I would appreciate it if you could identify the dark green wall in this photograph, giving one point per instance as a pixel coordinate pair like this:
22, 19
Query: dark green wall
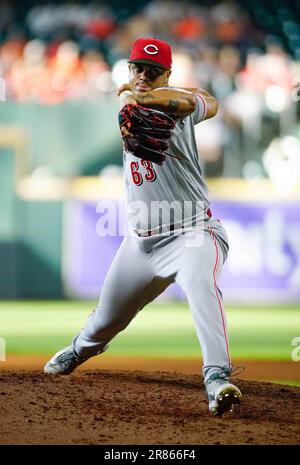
72, 138
30, 264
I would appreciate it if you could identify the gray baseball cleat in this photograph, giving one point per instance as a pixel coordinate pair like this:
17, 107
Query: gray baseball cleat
63, 362
222, 395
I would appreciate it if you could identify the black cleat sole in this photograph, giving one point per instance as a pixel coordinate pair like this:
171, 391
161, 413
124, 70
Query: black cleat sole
226, 401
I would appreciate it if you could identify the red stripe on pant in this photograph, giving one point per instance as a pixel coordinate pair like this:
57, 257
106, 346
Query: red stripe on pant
217, 293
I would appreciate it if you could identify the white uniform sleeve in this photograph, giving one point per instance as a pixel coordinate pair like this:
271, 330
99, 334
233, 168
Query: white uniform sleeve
200, 110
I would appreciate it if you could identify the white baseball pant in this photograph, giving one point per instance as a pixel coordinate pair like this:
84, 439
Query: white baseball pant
143, 268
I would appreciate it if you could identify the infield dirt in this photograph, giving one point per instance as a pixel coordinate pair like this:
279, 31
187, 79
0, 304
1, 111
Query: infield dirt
136, 407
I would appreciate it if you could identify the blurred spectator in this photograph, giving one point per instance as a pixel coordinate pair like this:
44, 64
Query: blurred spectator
78, 51
69, 34
230, 22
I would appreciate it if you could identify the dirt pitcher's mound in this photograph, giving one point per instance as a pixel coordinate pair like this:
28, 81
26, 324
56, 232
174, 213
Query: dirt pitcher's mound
122, 407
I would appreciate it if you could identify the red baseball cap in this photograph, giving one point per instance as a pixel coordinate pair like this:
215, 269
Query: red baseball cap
152, 52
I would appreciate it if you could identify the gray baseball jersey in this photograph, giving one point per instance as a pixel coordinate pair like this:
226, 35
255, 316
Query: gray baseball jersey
179, 183
146, 265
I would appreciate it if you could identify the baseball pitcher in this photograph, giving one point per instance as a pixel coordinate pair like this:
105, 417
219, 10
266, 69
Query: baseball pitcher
172, 233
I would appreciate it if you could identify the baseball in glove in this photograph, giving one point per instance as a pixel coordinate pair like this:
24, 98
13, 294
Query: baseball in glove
151, 130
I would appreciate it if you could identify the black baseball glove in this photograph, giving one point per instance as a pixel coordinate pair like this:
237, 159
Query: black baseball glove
151, 131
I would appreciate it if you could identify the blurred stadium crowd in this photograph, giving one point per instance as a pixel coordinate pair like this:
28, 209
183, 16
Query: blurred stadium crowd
247, 55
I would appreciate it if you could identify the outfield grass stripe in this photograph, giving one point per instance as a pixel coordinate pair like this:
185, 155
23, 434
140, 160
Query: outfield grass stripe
164, 329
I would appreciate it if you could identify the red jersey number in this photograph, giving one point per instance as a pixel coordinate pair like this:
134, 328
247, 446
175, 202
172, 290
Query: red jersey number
137, 178
150, 175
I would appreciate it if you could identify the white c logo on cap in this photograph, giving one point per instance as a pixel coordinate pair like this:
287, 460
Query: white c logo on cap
153, 52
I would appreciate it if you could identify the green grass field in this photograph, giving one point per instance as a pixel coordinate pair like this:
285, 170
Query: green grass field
161, 329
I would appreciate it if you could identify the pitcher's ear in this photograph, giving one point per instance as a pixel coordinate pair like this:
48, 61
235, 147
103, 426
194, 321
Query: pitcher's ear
167, 75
